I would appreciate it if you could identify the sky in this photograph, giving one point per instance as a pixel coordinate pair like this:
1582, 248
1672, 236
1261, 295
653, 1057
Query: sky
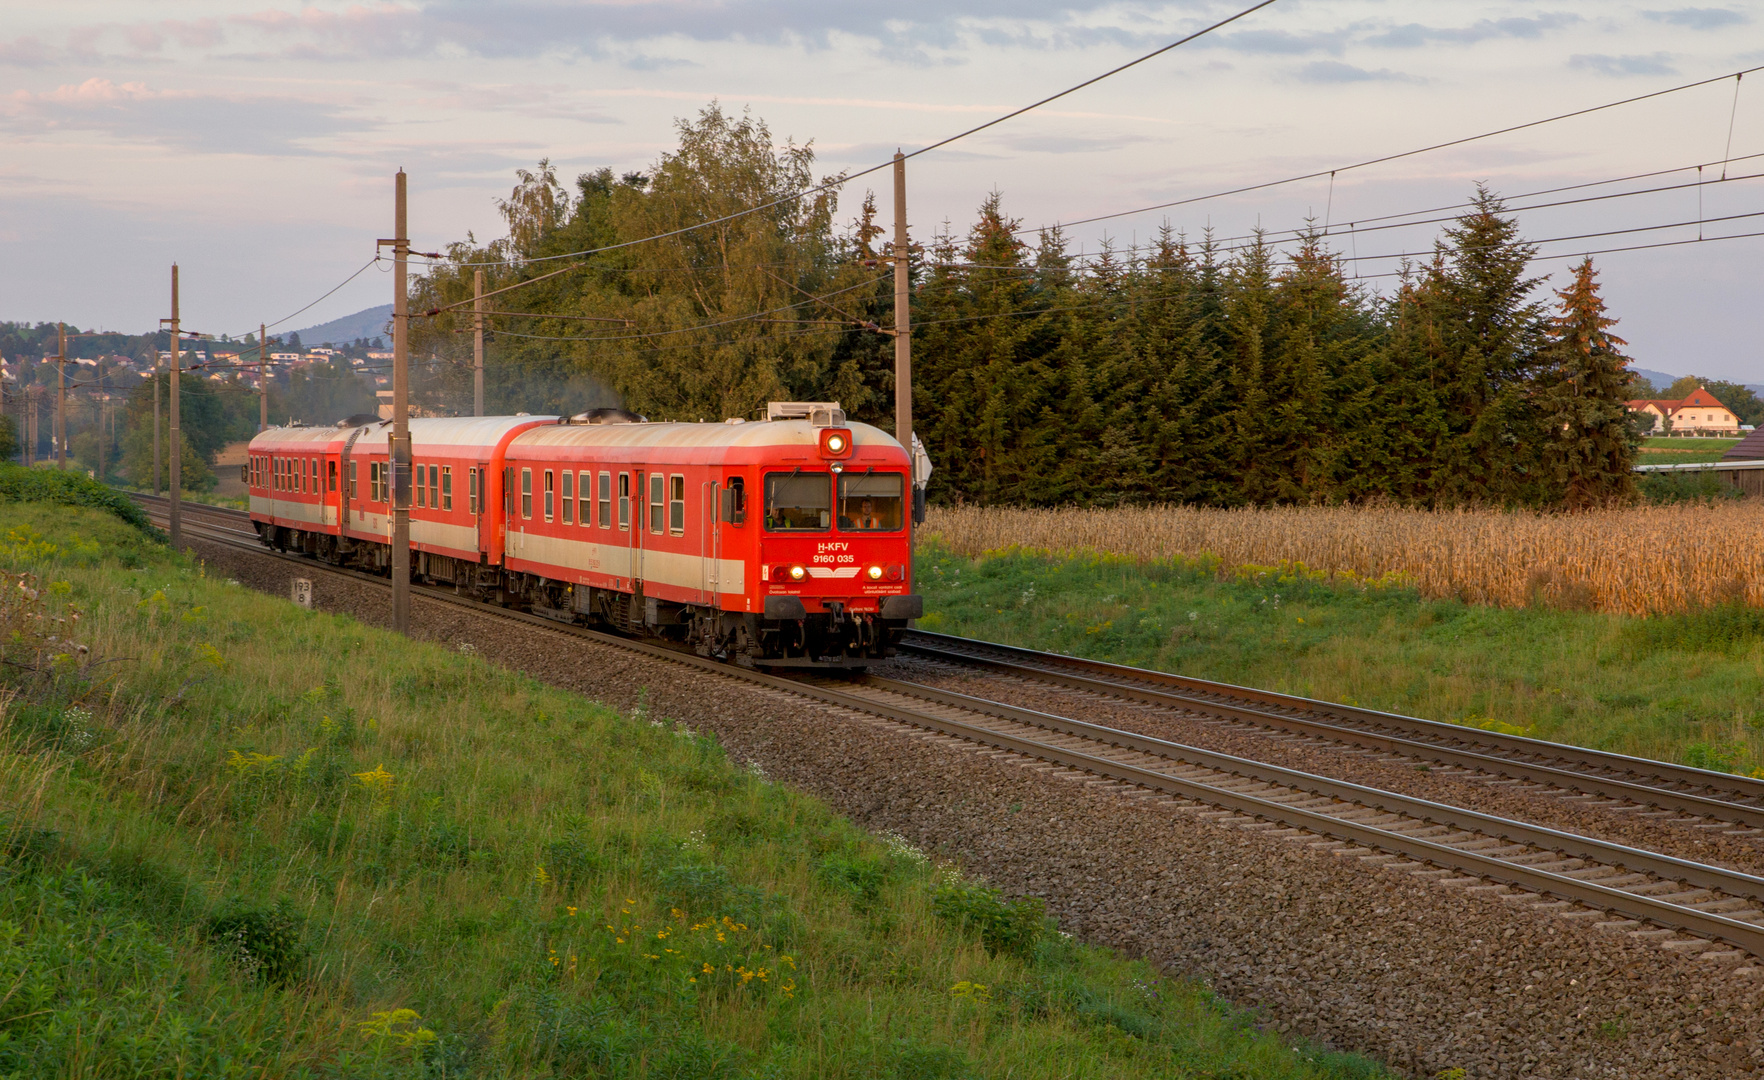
254, 142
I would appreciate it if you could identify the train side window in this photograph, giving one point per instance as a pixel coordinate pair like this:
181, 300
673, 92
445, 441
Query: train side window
569, 497
447, 488
677, 504
658, 492
624, 500
354, 480
472, 491
421, 489
605, 500
734, 499
435, 487
330, 476
526, 493
550, 492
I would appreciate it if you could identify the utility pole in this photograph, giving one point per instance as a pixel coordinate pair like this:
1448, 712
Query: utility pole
262, 378
176, 444
400, 455
61, 396
903, 340
477, 343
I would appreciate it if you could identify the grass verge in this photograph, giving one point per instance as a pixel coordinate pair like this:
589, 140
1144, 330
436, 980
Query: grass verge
241, 840
1686, 688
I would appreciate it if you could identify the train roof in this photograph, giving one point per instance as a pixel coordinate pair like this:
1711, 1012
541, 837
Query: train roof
463, 431
756, 434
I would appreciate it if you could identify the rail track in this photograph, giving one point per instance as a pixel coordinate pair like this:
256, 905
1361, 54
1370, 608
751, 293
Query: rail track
1684, 906
1714, 800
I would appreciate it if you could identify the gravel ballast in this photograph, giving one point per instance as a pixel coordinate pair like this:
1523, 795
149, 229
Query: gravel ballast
1420, 975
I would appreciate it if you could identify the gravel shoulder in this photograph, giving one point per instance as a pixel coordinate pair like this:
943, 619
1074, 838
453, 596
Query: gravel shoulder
1419, 975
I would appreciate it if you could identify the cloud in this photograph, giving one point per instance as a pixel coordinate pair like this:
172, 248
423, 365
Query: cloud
1069, 144
1698, 18
1414, 35
25, 52
1333, 71
1285, 43
134, 112
1652, 64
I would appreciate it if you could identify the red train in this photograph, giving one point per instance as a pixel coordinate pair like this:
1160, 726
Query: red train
782, 543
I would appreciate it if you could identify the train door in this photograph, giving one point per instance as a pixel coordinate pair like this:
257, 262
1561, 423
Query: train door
638, 495
710, 548
475, 503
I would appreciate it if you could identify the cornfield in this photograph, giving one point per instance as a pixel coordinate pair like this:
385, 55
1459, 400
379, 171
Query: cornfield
1636, 561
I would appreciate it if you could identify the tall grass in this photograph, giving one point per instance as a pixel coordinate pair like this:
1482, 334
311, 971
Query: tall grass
240, 839
1634, 561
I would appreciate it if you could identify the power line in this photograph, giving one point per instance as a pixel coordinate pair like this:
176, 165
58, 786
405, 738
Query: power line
1320, 173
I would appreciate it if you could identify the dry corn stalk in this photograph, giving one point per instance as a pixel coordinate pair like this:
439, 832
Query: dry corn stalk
1637, 561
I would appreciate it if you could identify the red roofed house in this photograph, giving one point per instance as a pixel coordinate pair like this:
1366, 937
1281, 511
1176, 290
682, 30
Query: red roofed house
1699, 413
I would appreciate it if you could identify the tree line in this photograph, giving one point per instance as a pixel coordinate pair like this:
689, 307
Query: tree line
1187, 370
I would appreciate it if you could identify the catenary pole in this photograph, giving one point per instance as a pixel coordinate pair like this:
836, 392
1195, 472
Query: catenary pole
61, 395
262, 378
477, 343
156, 420
175, 444
903, 340
401, 456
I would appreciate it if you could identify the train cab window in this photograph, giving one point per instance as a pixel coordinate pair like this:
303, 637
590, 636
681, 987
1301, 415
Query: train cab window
472, 491
798, 502
624, 500
434, 487
447, 488
330, 476
526, 493
677, 504
870, 502
658, 493
734, 501
569, 498
605, 501
421, 490
550, 492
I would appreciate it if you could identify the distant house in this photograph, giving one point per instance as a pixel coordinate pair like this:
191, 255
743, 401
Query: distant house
1699, 413
284, 356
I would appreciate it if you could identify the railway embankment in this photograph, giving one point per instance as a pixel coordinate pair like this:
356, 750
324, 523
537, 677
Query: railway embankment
245, 836
1422, 968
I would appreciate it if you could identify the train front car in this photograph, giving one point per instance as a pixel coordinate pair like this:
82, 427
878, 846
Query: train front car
780, 544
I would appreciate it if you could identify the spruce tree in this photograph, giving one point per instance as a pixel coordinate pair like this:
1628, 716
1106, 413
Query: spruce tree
1589, 443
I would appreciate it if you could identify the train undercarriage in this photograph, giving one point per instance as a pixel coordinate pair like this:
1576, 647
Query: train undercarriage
790, 639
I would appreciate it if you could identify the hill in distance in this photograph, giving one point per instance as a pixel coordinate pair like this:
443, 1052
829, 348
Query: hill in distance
370, 324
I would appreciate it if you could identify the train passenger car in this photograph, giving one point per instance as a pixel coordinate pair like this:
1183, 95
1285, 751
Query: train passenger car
783, 542
326, 491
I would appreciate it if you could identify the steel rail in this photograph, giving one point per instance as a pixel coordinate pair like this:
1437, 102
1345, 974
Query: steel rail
1592, 784
1744, 935
1204, 692
1571, 844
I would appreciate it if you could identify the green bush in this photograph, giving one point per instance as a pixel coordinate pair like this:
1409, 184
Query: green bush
70, 489
1012, 927
261, 943
1695, 485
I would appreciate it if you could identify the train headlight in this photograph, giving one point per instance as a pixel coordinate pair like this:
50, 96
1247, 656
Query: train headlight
836, 444
875, 573
797, 573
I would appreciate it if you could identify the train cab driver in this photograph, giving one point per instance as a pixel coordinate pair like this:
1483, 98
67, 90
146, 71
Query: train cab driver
867, 517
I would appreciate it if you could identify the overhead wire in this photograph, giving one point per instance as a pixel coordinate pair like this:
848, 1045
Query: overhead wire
1386, 158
